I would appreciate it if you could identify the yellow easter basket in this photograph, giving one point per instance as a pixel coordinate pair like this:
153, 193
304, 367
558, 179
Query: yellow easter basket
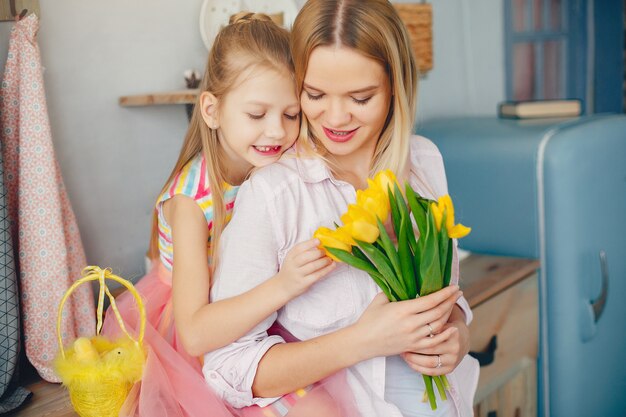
99, 373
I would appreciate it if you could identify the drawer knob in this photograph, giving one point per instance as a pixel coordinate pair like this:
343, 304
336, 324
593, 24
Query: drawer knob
487, 356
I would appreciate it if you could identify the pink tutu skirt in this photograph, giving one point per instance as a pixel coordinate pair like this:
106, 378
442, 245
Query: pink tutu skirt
173, 384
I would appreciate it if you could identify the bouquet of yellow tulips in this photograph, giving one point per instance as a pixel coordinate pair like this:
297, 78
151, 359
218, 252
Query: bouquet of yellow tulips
413, 266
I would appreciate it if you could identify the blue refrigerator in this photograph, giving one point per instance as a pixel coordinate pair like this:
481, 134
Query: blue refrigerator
555, 191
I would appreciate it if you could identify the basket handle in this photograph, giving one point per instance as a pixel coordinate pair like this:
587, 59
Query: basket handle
94, 273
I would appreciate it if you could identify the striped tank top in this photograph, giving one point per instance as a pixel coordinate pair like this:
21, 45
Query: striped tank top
193, 182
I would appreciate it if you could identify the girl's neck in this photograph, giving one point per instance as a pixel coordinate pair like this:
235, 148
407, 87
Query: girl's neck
235, 176
235, 169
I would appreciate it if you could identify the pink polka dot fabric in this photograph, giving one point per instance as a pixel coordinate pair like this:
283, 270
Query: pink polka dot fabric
50, 252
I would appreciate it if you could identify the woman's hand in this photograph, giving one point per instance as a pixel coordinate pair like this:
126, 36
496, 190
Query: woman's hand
449, 351
390, 328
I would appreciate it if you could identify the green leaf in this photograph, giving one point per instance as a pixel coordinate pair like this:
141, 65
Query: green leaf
430, 269
364, 265
448, 271
350, 259
406, 262
416, 271
404, 212
384, 268
395, 213
359, 254
419, 212
389, 248
443, 245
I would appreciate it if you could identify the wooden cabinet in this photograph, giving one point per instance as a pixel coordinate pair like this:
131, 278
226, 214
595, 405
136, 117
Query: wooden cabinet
504, 298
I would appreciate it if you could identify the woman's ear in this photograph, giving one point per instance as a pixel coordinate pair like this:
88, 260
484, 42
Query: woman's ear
209, 110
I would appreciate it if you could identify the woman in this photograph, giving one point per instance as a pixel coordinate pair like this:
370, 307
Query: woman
357, 82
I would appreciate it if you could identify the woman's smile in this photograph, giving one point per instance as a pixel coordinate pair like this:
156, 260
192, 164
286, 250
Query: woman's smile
339, 135
346, 112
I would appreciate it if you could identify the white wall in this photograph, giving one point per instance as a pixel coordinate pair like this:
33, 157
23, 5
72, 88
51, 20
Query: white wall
468, 73
114, 159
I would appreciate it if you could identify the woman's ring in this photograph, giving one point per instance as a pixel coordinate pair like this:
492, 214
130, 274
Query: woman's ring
430, 330
439, 364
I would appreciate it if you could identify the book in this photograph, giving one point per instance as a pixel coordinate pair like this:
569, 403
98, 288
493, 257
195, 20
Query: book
535, 109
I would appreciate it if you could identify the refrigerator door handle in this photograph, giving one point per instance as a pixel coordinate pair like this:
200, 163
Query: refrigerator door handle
599, 303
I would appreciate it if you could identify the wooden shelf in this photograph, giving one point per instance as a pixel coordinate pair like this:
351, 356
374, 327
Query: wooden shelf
169, 97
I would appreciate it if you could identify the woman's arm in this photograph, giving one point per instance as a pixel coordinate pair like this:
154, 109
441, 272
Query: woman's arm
384, 329
204, 326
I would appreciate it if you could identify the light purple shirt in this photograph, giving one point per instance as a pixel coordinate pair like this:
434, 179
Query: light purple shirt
281, 205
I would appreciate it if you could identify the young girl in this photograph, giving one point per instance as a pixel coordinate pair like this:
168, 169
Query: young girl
357, 81
246, 116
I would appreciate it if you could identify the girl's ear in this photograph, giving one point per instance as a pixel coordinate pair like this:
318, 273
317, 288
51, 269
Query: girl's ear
209, 110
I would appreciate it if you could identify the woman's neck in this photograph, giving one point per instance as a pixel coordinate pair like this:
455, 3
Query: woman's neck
352, 171
353, 168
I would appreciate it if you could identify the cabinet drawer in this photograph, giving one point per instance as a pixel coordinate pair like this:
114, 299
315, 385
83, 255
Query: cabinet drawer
516, 398
513, 317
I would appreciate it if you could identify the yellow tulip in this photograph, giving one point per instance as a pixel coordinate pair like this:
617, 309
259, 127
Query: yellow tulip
374, 201
356, 212
444, 205
437, 214
339, 239
385, 180
362, 230
458, 231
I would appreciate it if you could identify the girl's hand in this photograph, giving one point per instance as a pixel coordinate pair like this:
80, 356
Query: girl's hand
391, 328
450, 351
304, 265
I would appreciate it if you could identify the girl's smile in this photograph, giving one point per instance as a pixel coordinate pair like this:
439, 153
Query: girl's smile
268, 150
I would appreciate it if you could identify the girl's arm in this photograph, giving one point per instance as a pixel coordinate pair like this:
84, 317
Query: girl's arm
204, 326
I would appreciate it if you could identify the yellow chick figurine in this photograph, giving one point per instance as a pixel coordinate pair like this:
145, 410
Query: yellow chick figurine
116, 354
84, 351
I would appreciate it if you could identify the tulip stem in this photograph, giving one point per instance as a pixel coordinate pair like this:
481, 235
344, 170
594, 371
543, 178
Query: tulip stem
428, 382
440, 388
446, 384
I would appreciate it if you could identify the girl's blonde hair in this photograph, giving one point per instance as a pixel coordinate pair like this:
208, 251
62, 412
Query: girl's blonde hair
249, 40
374, 29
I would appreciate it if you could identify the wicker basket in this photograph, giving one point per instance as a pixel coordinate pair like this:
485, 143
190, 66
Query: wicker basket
99, 386
418, 19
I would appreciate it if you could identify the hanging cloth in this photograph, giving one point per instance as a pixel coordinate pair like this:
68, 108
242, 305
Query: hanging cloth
11, 395
45, 232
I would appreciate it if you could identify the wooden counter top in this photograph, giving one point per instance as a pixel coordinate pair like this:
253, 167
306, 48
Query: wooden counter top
483, 276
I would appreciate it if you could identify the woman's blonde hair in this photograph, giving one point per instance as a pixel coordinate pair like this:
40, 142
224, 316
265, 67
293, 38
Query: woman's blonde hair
374, 29
249, 40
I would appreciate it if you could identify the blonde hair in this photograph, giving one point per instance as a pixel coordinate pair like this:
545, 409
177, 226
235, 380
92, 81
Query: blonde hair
374, 29
249, 40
